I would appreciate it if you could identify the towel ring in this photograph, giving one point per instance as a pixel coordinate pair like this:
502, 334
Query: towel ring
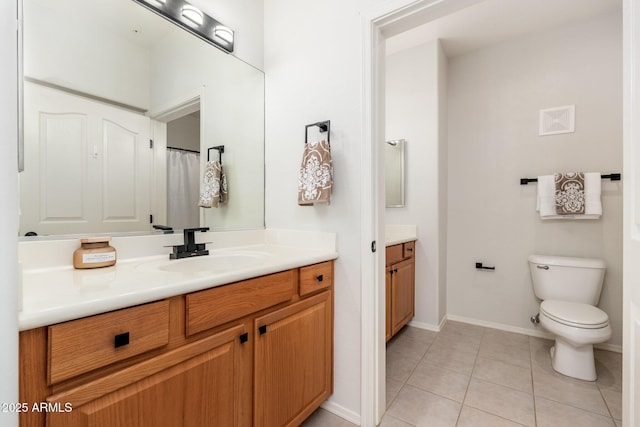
220, 149
324, 127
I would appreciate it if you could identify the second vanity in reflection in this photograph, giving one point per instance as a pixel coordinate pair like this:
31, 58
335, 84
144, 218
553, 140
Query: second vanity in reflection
257, 351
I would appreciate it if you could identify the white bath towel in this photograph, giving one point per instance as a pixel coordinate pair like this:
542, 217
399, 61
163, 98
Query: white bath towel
546, 200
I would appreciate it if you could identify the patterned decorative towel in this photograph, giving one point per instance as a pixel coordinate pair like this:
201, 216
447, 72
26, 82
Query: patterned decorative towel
214, 185
570, 198
316, 174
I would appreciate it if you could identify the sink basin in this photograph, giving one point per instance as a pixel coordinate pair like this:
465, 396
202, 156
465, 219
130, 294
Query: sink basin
212, 263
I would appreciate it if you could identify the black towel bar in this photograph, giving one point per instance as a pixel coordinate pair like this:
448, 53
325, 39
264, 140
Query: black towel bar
324, 126
220, 149
612, 177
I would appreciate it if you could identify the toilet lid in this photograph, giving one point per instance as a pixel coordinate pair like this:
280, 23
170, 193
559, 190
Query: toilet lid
575, 314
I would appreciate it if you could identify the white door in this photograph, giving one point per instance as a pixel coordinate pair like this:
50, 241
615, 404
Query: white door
87, 165
631, 275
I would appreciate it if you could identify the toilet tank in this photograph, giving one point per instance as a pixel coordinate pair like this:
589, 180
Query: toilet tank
567, 278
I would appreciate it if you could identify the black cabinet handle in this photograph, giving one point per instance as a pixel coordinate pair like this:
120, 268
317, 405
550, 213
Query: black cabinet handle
395, 270
244, 338
121, 340
262, 329
409, 249
320, 278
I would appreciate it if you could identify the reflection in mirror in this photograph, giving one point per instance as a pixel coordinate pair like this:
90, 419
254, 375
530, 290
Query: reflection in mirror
104, 77
394, 173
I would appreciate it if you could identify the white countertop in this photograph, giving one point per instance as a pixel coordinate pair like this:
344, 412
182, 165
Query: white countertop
60, 293
396, 234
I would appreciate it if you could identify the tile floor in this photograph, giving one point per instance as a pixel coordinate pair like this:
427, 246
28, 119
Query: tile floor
470, 376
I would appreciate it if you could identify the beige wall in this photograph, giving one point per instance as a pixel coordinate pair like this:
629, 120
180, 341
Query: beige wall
494, 98
414, 93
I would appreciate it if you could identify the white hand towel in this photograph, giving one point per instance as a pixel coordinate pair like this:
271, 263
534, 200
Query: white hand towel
592, 193
546, 200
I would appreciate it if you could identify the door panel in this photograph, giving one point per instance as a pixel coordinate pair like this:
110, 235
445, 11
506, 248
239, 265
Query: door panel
199, 388
63, 178
402, 289
126, 193
88, 165
293, 362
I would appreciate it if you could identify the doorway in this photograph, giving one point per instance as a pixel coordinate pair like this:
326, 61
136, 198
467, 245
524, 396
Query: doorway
183, 171
176, 167
378, 28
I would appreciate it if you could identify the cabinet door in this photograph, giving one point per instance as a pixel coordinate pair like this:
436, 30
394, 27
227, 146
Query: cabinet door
293, 364
193, 386
402, 294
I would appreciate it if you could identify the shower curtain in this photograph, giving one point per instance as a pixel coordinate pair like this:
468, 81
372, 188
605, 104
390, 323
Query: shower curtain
183, 189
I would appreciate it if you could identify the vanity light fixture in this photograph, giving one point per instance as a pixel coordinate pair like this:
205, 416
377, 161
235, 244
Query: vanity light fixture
193, 15
193, 20
223, 33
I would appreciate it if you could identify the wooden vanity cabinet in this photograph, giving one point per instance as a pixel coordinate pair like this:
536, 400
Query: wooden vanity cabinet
269, 364
400, 286
293, 362
195, 385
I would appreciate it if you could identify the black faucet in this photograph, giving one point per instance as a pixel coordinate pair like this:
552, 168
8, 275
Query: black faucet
190, 247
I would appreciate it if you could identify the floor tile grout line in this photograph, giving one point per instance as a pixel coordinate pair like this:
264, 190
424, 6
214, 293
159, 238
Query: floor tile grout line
470, 377
404, 383
533, 386
606, 403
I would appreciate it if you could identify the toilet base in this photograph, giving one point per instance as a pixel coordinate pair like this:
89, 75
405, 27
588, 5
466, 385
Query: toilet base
576, 362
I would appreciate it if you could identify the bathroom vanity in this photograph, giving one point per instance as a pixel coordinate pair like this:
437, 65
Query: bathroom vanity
251, 352
400, 284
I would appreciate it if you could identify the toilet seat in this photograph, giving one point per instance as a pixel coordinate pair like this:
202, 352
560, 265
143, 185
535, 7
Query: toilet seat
577, 315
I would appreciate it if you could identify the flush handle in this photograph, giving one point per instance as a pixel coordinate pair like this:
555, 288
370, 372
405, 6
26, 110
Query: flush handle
542, 267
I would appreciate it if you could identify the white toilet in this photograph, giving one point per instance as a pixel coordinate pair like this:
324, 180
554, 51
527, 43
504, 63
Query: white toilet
570, 289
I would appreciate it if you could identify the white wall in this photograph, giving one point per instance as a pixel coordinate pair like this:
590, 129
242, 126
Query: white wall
106, 64
415, 79
8, 213
494, 98
184, 133
68, 51
313, 70
231, 113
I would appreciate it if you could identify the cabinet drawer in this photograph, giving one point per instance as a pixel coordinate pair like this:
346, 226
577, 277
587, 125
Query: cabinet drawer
316, 277
408, 249
217, 306
83, 345
394, 254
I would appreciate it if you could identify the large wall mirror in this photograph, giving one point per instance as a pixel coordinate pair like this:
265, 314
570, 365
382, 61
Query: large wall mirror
394, 173
104, 78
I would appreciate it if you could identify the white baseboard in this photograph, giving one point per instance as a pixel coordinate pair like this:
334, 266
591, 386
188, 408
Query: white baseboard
426, 326
341, 411
610, 347
539, 333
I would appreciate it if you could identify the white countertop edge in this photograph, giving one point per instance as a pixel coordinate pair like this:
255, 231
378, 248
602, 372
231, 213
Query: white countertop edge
62, 313
394, 234
396, 240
